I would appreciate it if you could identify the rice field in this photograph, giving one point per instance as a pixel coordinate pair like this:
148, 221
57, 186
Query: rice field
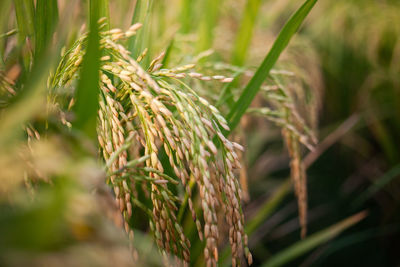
199, 133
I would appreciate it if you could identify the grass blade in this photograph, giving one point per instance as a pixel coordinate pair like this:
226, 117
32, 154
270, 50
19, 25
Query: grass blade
167, 55
139, 42
314, 240
87, 101
245, 33
208, 21
46, 19
262, 72
268, 207
135, 18
6, 7
104, 10
24, 11
186, 15
378, 185
349, 240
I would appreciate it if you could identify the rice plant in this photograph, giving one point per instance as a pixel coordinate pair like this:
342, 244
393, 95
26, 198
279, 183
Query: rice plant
136, 123
136, 133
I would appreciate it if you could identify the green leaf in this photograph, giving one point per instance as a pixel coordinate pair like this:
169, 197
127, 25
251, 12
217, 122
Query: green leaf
137, 12
245, 33
269, 206
262, 72
135, 19
207, 24
378, 185
24, 11
139, 42
87, 93
98, 9
6, 6
46, 19
186, 13
167, 55
352, 240
313, 241
104, 10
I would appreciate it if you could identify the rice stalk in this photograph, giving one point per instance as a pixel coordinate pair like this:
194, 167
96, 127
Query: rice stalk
143, 112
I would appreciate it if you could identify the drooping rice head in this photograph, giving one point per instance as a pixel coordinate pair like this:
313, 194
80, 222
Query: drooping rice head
145, 114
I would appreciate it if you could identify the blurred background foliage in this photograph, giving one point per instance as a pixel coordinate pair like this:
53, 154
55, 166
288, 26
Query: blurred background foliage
341, 73
356, 44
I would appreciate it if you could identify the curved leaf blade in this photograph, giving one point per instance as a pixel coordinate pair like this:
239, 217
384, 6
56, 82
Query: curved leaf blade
313, 241
287, 32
